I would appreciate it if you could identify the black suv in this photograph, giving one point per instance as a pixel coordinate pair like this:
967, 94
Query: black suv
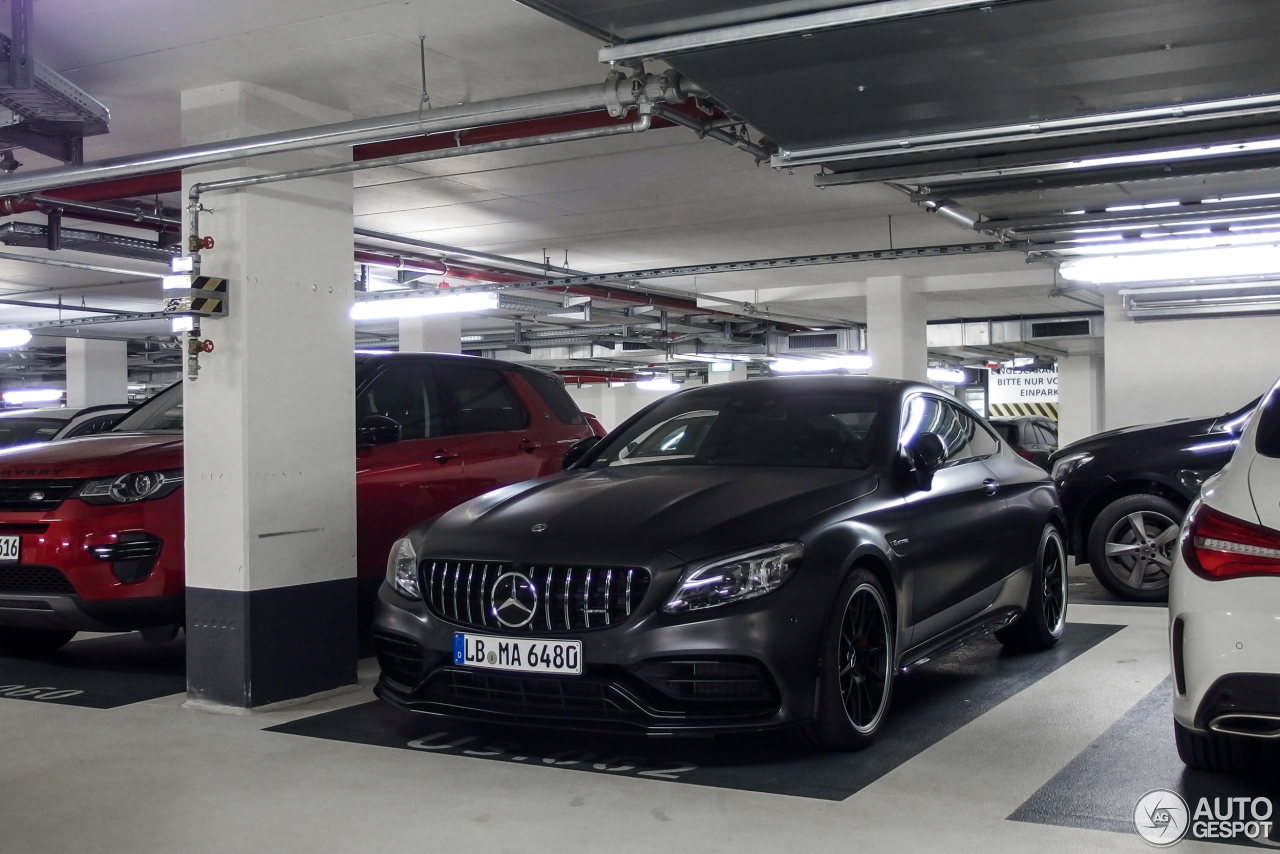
1125, 493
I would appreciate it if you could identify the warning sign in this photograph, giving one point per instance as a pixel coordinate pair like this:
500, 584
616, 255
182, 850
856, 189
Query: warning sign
1014, 393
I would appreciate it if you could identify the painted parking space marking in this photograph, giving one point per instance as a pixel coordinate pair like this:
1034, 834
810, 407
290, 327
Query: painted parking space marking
930, 703
1099, 789
97, 673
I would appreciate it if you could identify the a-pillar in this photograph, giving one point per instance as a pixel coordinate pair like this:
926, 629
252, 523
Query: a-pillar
897, 331
1081, 396
270, 420
97, 372
431, 333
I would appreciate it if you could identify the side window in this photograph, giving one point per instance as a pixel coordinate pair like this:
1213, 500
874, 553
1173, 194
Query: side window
552, 392
978, 441
401, 392
1050, 433
477, 400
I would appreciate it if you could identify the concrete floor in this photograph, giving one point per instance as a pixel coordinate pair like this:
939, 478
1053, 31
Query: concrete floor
151, 776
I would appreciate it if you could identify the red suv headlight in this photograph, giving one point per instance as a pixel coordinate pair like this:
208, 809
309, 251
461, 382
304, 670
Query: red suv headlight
127, 488
1217, 546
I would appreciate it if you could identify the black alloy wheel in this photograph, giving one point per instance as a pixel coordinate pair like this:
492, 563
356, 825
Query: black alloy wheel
32, 643
1045, 618
1131, 546
856, 677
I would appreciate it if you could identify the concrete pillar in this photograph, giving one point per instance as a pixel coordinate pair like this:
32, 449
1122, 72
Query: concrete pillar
432, 333
897, 339
97, 372
270, 422
1081, 398
739, 372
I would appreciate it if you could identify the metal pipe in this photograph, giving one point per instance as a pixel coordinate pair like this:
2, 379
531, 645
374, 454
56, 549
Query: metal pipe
641, 124
460, 254
135, 215
59, 307
75, 265
616, 92
708, 129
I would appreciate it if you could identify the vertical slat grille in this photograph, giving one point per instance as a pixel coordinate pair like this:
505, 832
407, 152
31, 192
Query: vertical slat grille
570, 599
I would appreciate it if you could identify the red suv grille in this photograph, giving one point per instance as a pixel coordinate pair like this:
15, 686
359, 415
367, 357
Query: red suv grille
27, 495
40, 580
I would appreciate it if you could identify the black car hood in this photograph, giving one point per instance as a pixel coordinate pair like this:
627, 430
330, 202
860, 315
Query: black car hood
689, 511
1142, 435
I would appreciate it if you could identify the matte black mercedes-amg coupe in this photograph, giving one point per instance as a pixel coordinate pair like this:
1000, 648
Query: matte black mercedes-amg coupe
753, 555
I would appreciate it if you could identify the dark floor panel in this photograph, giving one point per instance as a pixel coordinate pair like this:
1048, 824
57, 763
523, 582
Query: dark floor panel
931, 703
1084, 588
100, 673
1100, 788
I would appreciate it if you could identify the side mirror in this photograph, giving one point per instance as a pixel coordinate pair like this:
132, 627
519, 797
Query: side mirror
579, 449
925, 454
377, 430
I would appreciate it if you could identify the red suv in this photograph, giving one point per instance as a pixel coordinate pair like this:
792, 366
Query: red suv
91, 529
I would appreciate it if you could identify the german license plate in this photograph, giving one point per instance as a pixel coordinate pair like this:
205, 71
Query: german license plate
524, 655
10, 549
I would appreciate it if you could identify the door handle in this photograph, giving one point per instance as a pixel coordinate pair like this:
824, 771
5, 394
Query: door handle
990, 487
443, 456
529, 446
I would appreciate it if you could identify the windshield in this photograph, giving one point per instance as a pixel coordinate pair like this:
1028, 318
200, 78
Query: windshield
20, 431
801, 429
160, 414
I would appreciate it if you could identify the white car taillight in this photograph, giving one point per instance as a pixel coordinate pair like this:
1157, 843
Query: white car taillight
1217, 546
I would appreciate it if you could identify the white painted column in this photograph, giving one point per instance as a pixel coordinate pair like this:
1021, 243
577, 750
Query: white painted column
739, 372
270, 422
437, 333
897, 339
1081, 398
97, 372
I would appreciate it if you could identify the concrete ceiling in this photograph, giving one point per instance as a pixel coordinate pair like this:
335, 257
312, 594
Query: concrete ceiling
661, 198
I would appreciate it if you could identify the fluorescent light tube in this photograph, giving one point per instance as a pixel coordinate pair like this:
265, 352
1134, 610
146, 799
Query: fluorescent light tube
1188, 265
419, 306
13, 337
32, 395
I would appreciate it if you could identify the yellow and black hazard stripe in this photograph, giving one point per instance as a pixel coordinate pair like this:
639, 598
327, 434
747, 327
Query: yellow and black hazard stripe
206, 296
1019, 410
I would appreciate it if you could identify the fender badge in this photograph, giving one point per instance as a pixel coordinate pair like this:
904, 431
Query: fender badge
539, 528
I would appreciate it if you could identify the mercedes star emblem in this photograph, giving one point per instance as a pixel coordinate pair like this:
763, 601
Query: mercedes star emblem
539, 528
515, 600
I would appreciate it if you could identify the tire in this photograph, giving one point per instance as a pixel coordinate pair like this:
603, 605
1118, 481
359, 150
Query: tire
1045, 618
32, 643
1221, 754
1132, 546
855, 680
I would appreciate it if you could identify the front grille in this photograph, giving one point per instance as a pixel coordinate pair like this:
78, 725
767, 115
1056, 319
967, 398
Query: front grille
402, 660
523, 695
569, 598
40, 580
710, 681
27, 495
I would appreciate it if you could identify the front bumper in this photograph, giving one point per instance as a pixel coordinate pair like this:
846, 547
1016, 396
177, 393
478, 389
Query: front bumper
1224, 636
59, 582
768, 648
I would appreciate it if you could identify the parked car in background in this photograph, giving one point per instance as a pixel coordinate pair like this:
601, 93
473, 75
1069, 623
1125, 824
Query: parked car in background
27, 426
1125, 493
1224, 610
91, 529
746, 556
1031, 438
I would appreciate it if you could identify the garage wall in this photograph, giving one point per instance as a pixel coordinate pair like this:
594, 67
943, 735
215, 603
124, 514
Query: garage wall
1160, 370
612, 405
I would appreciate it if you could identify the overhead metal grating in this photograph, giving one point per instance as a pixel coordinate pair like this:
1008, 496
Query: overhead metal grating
38, 237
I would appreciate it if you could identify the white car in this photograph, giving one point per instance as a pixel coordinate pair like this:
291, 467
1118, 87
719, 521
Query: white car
1224, 609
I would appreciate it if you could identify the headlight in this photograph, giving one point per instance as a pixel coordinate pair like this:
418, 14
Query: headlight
743, 576
402, 569
1068, 464
127, 488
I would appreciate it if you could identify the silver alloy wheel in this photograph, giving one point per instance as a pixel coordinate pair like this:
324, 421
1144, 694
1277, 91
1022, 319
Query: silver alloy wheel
864, 658
1139, 550
1054, 579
